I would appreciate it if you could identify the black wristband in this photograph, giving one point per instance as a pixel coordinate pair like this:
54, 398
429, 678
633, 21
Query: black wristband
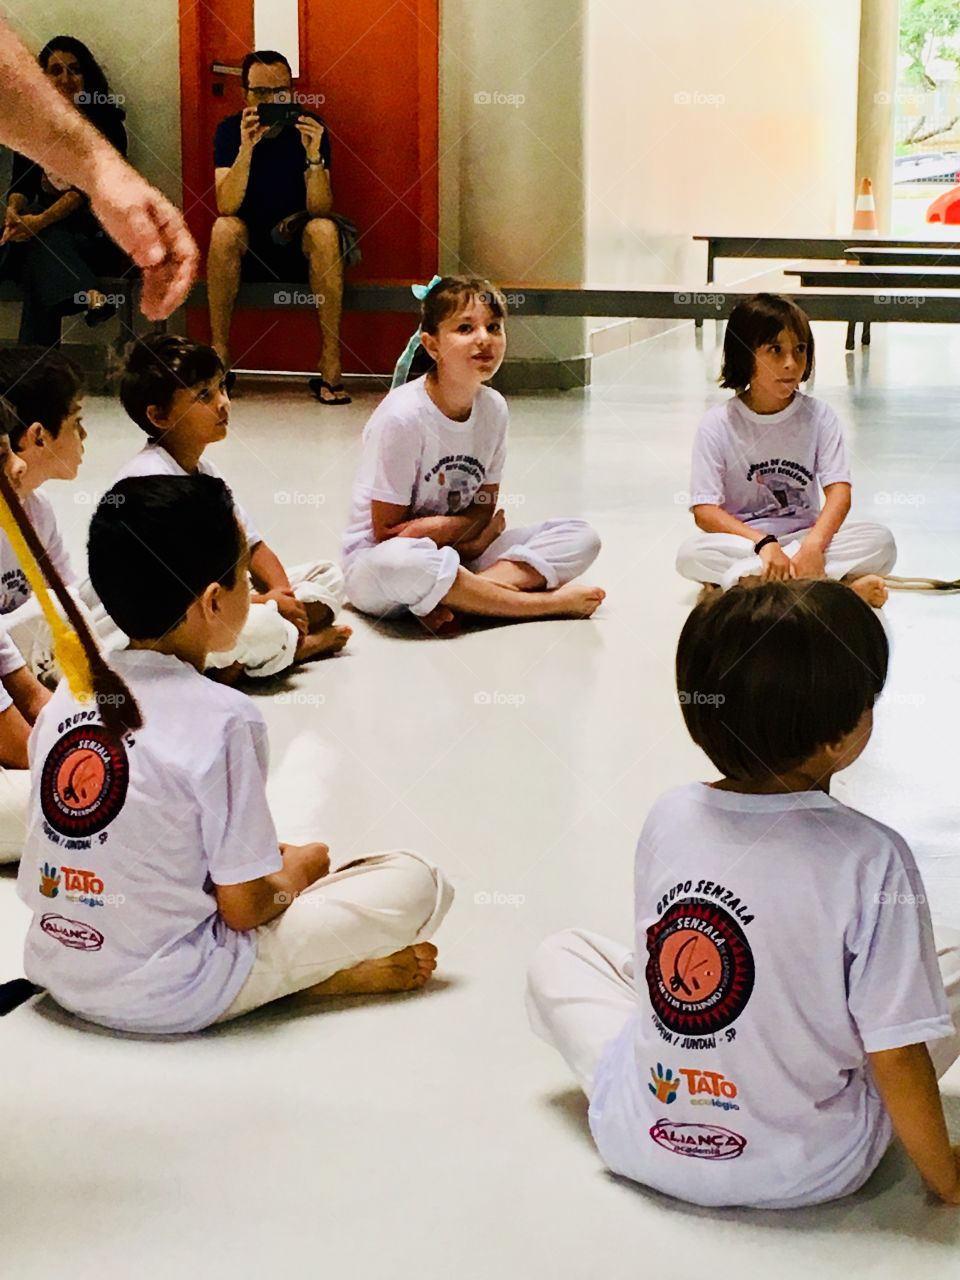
758, 546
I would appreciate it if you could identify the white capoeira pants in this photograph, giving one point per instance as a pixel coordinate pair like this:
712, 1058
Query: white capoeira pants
725, 558
365, 910
415, 574
268, 642
14, 807
581, 994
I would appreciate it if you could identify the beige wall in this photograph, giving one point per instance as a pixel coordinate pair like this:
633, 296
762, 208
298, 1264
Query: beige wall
512, 181
641, 125
599, 173
137, 44
731, 118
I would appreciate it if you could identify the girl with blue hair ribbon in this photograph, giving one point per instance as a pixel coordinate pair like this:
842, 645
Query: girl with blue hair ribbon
425, 534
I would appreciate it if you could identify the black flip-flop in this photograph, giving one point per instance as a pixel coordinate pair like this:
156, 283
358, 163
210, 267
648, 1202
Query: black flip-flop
318, 385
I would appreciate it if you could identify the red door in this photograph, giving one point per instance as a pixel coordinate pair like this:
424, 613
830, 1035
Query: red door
376, 67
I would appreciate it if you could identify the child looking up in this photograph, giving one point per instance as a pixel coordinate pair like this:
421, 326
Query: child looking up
769, 1031
758, 460
179, 907
425, 534
175, 390
22, 697
45, 391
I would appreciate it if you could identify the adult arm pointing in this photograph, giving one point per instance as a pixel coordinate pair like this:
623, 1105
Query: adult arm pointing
37, 121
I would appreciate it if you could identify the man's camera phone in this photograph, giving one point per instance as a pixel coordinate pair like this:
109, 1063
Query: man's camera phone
271, 113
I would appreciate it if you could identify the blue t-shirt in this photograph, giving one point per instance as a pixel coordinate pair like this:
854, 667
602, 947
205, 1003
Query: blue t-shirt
277, 185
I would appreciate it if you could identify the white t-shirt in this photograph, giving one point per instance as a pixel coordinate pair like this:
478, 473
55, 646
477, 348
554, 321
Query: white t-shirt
15, 590
11, 659
125, 844
779, 939
416, 457
154, 460
763, 468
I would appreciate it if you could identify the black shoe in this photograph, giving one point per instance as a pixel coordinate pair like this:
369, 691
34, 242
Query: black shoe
100, 315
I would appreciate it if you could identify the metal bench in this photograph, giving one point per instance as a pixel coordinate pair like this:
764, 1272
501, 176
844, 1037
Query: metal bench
677, 303
814, 247
870, 256
546, 300
856, 277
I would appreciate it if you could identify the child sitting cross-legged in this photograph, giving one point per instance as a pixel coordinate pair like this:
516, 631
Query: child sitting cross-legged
175, 390
760, 460
425, 535
786, 1007
179, 907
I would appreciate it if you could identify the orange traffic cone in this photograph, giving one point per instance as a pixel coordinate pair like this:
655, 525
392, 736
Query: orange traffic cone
865, 216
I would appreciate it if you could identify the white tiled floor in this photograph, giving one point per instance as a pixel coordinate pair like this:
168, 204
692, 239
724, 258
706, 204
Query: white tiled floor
432, 1136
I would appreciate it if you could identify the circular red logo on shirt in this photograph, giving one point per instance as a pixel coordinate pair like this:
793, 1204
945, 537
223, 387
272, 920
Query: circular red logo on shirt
700, 969
84, 781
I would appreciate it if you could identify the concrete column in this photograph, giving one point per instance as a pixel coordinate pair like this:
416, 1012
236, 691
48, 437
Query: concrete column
876, 101
512, 164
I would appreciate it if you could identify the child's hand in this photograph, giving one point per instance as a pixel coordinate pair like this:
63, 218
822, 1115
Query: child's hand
289, 607
476, 546
809, 561
777, 565
305, 863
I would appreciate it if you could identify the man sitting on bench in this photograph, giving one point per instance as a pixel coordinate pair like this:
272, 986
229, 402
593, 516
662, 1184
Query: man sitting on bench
274, 196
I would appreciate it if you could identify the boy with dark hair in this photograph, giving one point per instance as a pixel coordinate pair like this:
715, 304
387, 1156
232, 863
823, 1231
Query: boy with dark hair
174, 390
21, 696
769, 1032
45, 392
170, 828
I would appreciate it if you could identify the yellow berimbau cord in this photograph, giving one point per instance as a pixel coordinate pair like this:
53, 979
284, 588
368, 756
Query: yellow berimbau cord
68, 647
88, 676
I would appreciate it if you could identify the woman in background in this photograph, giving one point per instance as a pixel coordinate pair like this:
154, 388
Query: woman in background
51, 242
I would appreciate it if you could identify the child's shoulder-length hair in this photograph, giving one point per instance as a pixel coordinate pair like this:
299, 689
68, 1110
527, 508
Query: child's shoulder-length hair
452, 293
767, 675
754, 323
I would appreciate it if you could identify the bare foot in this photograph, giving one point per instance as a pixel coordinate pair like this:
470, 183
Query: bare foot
322, 644
405, 970
319, 615
707, 591
572, 601
871, 587
442, 622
